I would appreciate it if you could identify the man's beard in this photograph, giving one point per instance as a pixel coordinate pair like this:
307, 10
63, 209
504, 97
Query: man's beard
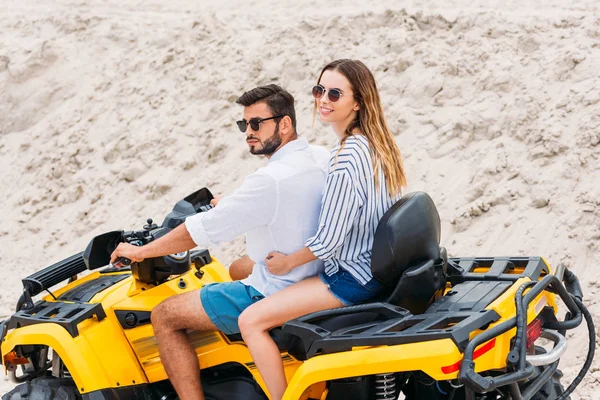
270, 144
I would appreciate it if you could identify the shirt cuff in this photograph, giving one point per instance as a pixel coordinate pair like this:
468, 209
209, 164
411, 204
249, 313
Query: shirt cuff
196, 230
317, 248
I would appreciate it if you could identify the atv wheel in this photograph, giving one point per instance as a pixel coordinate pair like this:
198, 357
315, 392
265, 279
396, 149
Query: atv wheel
552, 389
46, 388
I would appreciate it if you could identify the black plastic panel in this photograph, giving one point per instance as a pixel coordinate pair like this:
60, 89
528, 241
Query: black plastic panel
3, 331
86, 291
229, 381
469, 296
402, 329
54, 274
138, 392
131, 319
67, 315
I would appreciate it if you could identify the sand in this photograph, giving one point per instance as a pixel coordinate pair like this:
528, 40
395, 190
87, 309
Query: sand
110, 112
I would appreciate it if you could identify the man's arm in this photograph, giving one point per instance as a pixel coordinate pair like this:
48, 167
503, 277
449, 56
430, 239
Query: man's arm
251, 205
176, 241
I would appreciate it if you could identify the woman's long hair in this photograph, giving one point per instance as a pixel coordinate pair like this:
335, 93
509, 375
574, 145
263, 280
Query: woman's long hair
371, 123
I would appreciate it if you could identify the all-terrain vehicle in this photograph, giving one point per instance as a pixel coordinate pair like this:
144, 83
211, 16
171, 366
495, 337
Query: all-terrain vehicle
448, 328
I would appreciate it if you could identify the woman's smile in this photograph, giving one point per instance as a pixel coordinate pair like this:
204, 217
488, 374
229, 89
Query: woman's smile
325, 110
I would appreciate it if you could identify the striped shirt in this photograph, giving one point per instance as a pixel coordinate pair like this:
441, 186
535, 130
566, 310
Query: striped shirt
350, 210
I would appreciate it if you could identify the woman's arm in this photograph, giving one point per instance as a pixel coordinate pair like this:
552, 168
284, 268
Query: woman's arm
280, 264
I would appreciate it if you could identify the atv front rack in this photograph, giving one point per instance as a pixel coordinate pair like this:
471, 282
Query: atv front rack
67, 315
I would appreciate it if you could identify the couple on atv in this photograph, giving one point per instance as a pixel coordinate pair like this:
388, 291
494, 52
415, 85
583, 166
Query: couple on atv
309, 217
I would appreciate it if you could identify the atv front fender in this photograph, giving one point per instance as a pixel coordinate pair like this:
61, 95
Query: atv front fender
91, 368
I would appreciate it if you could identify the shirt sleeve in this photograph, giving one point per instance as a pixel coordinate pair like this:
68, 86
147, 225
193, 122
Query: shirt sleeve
339, 209
252, 205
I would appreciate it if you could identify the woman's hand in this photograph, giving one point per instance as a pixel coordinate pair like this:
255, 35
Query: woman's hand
277, 263
128, 251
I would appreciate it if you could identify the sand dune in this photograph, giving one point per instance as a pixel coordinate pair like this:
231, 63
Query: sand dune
110, 113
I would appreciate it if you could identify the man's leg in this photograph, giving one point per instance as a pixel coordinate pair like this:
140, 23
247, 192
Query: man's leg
170, 320
241, 268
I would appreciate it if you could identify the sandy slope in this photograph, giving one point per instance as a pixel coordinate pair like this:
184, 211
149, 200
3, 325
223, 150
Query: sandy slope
109, 113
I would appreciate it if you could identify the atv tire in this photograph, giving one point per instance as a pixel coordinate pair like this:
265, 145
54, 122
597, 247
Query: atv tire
45, 388
552, 389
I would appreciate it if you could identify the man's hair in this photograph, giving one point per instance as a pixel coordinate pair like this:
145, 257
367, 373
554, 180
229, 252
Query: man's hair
279, 100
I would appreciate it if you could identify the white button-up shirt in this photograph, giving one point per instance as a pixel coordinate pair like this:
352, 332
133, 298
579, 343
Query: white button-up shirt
277, 207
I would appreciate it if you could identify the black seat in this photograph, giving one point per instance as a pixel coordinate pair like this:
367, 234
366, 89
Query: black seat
406, 257
407, 254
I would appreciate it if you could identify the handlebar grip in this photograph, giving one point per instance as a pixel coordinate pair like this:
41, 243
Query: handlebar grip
122, 262
572, 284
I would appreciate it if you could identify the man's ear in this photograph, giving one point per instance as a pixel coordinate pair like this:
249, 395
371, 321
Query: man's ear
286, 125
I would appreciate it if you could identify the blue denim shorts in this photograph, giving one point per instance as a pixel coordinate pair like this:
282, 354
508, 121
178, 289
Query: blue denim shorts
348, 290
225, 301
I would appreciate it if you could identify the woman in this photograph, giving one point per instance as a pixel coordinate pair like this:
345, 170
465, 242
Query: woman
364, 180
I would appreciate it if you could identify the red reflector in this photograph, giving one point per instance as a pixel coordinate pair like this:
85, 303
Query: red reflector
534, 331
476, 354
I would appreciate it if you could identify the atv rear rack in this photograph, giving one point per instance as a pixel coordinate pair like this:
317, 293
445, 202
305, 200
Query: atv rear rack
496, 268
405, 328
454, 316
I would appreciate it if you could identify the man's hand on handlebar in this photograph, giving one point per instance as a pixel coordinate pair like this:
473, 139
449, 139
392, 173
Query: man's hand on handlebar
215, 200
127, 251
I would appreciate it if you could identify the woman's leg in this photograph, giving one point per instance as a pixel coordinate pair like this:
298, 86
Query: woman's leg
301, 298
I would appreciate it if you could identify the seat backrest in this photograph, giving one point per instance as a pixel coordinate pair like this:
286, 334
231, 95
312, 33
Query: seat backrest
407, 235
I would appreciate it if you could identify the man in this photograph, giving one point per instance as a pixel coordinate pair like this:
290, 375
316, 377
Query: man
277, 207
241, 268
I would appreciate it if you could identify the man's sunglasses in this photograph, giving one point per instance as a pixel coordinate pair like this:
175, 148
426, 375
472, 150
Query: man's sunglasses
333, 94
254, 123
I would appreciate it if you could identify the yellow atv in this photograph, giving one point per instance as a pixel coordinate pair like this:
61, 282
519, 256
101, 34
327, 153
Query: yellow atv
449, 328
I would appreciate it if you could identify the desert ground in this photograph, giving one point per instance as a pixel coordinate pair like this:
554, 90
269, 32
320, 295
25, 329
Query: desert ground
112, 111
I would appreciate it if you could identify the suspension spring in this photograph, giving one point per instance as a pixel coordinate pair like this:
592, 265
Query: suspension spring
385, 386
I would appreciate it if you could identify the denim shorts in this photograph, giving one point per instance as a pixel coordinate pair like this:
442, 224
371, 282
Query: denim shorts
348, 290
225, 301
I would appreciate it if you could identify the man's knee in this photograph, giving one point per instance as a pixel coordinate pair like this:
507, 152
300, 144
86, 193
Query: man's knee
159, 315
241, 268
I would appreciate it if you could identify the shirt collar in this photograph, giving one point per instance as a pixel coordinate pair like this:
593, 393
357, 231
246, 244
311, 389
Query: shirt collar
297, 144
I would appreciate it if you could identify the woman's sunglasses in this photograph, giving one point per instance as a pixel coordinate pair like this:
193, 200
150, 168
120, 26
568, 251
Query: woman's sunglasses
254, 123
333, 94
